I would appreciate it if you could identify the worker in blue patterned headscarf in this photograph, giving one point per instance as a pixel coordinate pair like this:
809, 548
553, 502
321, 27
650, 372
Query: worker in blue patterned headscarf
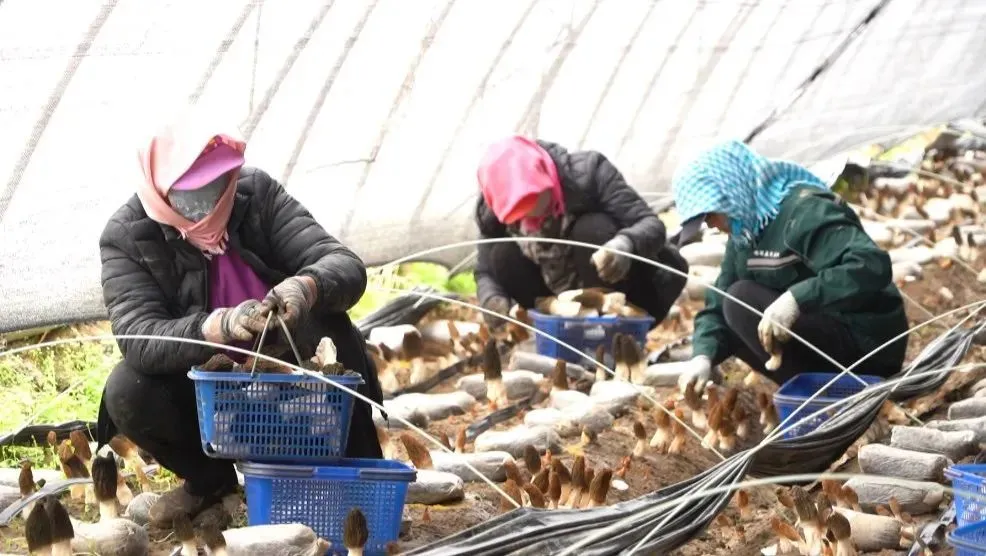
797, 253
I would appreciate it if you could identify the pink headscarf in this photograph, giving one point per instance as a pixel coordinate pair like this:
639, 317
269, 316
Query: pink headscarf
188, 155
512, 174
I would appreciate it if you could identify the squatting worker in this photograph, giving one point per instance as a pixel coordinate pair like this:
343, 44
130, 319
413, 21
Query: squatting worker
539, 189
203, 251
797, 253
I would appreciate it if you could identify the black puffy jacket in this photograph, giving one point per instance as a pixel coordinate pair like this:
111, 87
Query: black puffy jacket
155, 283
590, 183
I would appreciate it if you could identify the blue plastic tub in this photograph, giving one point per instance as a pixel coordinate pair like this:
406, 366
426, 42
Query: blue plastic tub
968, 540
584, 333
321, 497
969, 484
273, 417
795, 391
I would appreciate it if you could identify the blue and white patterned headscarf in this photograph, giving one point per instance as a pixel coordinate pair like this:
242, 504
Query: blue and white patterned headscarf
747, 187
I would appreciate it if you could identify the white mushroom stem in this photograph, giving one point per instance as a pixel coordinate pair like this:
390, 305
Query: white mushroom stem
419, 371
188, 548
661, 439
710, 439
123, 492
108, 510
496, 392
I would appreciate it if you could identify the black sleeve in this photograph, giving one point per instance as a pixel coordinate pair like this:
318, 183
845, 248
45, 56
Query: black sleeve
489, 227
137, 306
303, 247
624, 205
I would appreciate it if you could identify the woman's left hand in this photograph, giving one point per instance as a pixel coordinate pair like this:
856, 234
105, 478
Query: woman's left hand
292, 299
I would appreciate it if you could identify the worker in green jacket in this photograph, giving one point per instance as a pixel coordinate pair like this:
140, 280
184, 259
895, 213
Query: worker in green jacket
797, 253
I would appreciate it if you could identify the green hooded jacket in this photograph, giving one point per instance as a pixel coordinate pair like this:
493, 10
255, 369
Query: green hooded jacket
817, 249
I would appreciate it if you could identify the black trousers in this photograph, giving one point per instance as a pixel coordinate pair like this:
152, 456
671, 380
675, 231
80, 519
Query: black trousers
158, 413
647, 287
824, 332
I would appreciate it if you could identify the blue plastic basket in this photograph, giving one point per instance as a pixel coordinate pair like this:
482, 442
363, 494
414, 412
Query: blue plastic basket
968, 540
273, 417
584, 333
795, 391
321, 497
969, 483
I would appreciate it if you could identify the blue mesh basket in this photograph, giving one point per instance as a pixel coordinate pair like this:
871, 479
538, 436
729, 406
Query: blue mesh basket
273, 417
584, 333
795, 391
968, 540
969, 484
321, 497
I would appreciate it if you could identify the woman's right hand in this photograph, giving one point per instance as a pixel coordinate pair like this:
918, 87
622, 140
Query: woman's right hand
500, 306
240, 323
697, 368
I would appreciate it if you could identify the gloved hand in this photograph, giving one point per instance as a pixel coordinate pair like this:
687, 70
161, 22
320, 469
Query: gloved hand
499, 305
292, 299
782, 312
240, 323
613, 267
699, 369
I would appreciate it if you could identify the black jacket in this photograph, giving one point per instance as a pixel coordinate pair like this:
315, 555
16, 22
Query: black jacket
155, 283
590, 183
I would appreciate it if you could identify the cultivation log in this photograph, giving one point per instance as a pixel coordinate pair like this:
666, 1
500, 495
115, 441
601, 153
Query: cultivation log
292, 539
435, 487
915, 498
545, 366
139, 509
514, 441
519, 384
968, 409
877, 459
955, 445
490, 464
117, 536
977, 425
873, 533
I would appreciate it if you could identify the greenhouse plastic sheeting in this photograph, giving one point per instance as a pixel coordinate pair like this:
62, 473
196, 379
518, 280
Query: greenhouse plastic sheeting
375, 112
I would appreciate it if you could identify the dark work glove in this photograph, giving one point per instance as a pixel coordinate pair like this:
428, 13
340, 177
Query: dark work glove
499, 305
240, 323
611, 266
291, 299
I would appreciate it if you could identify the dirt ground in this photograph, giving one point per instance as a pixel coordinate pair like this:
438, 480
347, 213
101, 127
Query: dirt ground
729, 534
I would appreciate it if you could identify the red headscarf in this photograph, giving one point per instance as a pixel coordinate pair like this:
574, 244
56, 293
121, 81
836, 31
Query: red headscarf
512, 174
181, 156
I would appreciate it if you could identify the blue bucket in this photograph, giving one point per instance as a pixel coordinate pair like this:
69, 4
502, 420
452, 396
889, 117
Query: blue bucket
322, 497
273, 417
585, 334
798, 389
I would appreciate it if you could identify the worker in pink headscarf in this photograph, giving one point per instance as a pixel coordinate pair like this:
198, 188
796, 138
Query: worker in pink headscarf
205, 250
533, 188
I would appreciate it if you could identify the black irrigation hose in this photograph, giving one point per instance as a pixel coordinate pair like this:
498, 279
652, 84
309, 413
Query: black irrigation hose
502, 415
527, 531
941, 353
38, 434
407, 308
